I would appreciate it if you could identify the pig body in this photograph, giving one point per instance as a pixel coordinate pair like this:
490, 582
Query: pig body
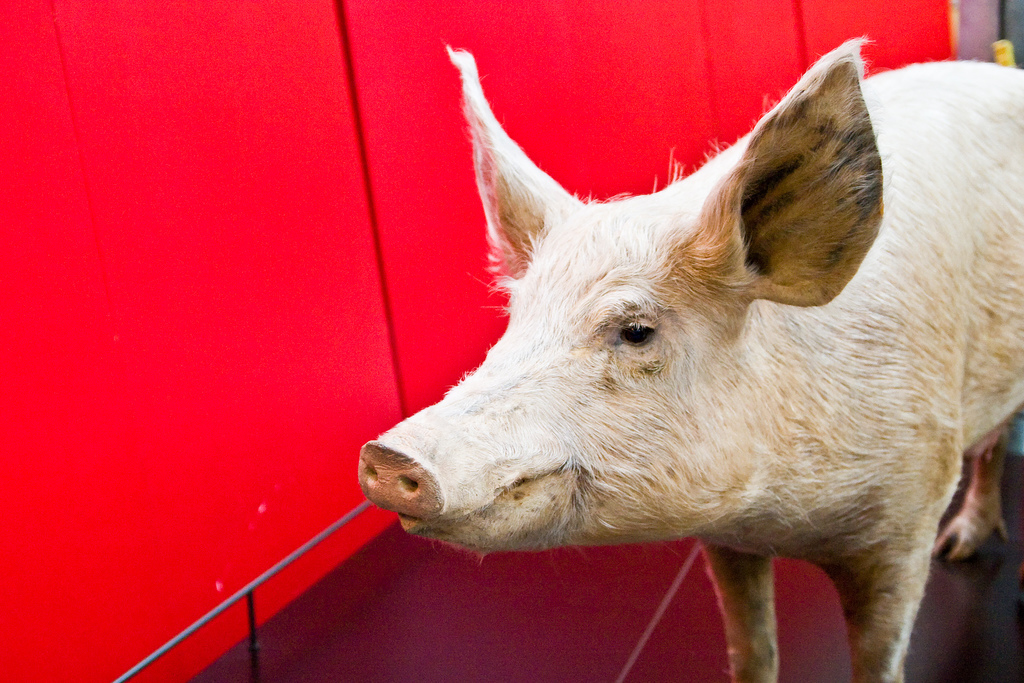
759, 355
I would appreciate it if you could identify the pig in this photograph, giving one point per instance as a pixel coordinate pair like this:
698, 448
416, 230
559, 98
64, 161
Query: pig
788, 352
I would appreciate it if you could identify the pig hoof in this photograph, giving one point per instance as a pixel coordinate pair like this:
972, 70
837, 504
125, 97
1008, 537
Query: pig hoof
966, 532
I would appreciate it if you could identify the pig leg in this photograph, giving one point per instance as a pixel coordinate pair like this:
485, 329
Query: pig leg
746, 597
981, 512
880, 599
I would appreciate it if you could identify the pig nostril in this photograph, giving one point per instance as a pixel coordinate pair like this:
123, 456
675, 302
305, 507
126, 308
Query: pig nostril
408, 484
396, 481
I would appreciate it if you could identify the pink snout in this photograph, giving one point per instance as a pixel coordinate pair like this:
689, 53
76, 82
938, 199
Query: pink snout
394, 481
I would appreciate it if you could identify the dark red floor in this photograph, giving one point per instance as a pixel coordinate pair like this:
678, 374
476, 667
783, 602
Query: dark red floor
404, 609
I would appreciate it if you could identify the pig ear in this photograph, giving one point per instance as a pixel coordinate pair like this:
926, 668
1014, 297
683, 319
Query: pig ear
519, 199
805, 201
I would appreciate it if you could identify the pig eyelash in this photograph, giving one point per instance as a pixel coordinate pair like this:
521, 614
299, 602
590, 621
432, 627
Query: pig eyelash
636, 334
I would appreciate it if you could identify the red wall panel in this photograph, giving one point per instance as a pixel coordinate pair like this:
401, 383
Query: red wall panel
900, 32
57, 359
193, 340
756, 55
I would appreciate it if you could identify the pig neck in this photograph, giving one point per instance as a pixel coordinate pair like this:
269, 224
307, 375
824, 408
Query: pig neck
782, 438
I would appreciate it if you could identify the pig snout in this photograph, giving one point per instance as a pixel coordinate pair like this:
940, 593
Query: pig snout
395, 481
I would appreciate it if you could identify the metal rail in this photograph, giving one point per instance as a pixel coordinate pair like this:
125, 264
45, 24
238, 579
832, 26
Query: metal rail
247, 593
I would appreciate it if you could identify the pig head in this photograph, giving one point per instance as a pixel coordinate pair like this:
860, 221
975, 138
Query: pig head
617, 406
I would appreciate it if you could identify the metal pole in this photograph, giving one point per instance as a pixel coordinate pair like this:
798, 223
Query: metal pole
254, 644
246, 590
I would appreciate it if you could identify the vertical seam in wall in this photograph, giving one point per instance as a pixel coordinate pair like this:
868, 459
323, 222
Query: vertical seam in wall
801, 35
81, 161
364, 160
709, 74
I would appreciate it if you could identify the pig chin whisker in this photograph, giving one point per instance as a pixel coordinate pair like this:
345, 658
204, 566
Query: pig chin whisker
408, 522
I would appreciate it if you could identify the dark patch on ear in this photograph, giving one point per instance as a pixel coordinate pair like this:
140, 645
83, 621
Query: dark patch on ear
869, 200
796, 111
757, 196
767, 180
836, 255
756, 262
827, 132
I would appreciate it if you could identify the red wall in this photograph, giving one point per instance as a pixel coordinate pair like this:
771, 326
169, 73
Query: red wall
193, 335
194, 340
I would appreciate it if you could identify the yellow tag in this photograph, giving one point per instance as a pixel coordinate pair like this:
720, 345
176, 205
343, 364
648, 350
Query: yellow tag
1004, 52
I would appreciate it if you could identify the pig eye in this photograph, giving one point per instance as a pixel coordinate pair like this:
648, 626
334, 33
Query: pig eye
636, 334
